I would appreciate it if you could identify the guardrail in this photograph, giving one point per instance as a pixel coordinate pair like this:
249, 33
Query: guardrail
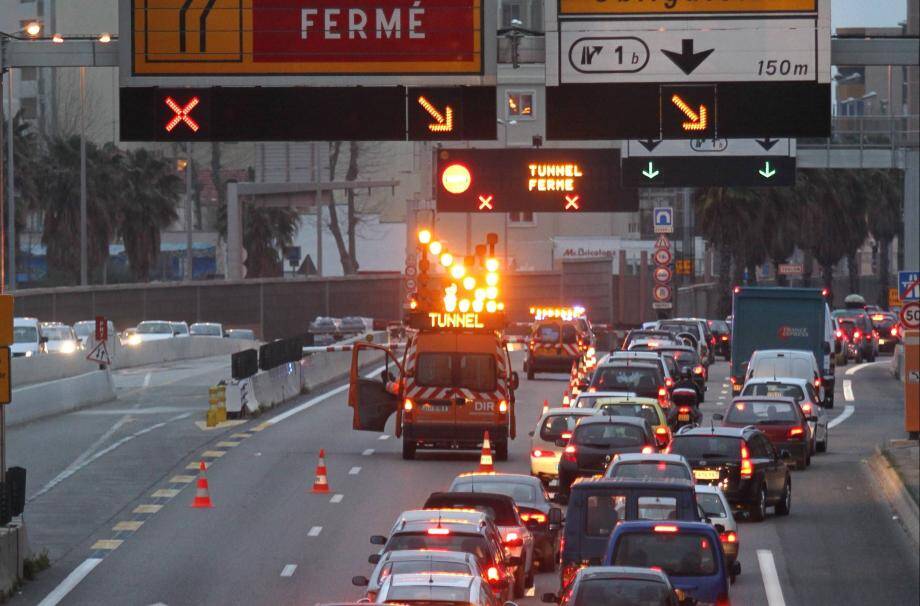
869, 132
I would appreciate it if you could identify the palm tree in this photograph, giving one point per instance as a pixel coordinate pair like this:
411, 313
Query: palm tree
266, 231
147, 205
779, 219
883, 189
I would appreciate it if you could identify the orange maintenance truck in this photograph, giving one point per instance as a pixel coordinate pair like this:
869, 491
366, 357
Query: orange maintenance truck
453, 382
559, 337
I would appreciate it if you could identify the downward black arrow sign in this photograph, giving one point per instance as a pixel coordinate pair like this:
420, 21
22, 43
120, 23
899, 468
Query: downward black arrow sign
687, 60
767, 143
650, 144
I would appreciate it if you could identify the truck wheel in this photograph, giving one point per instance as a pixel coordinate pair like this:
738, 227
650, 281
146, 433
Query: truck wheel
501, 450
408, 448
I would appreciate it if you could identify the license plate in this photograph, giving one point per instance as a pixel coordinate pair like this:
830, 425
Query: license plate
683, 417
882, 341
706, 474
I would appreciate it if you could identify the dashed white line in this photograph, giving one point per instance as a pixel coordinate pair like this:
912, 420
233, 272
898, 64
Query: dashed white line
288, 571
858, 367
848, 390
147, 378
73, 579
384, 437
770, 578
368, 452
354, 471
843, 416
314, 532
337, 498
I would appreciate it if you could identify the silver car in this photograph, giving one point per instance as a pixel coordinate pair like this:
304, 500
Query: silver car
715, 507
416, 561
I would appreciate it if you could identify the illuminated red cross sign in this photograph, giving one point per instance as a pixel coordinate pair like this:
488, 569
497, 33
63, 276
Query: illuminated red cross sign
485, 203
182, 114
571, 202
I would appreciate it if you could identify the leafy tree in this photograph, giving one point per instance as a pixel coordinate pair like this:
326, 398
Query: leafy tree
266, 231
885, 220
147, 204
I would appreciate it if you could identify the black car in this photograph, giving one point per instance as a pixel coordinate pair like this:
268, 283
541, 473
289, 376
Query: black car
886, 323
595, 442
687, 360
645, 379
742, 462
723, 334
617, 585
633, 335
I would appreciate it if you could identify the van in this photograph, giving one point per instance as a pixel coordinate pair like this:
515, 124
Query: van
554, 345
597, 505
28, 339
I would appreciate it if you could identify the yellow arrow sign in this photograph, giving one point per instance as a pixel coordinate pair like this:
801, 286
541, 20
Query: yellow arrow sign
443, 123
698, 121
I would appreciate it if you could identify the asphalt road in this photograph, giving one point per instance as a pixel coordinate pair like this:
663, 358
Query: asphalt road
269, 540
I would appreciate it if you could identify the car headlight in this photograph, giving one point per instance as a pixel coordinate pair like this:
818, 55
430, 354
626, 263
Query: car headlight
29, 353
134, 340
68, 347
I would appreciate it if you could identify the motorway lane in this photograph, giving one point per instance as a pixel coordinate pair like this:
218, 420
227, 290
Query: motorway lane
839, 545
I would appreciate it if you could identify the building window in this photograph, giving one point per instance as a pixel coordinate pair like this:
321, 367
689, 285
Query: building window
520, 105
521, 219
29, 108
28, 74
511, 10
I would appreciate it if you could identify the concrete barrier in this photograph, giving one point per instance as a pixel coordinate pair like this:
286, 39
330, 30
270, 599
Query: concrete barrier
13, 550
185, 348
896, 364
49, 398
49, 367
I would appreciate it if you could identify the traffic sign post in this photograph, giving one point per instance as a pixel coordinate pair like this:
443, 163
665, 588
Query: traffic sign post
910, 315
6, 378
909, 285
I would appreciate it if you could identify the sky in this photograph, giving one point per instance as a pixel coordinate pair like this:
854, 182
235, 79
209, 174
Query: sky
868, 13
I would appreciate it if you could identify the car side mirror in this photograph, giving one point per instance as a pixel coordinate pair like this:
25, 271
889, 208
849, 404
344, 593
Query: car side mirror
561, 443
378, 539
720, 528
374, 558
360, 581
515, 380
549, 598
826, 347
514, 561
785, 455
555, 517
718, 417
736, 568
43, 340
813, 418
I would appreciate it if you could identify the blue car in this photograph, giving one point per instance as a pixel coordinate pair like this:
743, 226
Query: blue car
690, 553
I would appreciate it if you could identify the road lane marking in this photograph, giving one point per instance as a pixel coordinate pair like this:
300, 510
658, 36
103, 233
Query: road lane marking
196, 466
354, 471
848, 411
107, 544
147, 508
227, 444
770, 578
288, 571
241, 436
147, 378
165, 493
72, 580
337, 498
848, 390
314, 532
368, 452
313, 402
213, 454
127, 525
384, 437
181, 479
858, 367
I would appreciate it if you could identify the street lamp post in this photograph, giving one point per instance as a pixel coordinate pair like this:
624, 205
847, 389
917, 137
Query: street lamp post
84, 264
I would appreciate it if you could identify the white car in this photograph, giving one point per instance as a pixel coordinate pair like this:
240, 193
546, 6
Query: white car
60, 338
86, 331
554, 424
715, 506
416, 561
772, 363
27, 338
437, 588
151, 330
207, 329
180, 329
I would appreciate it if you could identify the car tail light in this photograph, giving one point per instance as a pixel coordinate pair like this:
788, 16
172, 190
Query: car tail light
661, 431
568, 574
729, 537
698, 370
565, 401
566, 435
492, 574
592, 389
408, 405
669, 382
662, 392
857, 335
647, 450
712, 340
806, 408
513, 539
537, 453
817, 382
733, 380
747, 468
796, 431
723, 600
503, 406
535, 517
684, 410
725, 337
570, 453
439, 531
665, 528
839, 333
894, 331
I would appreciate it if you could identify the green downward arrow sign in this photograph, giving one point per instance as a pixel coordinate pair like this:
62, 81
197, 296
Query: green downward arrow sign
767, 172
651, 173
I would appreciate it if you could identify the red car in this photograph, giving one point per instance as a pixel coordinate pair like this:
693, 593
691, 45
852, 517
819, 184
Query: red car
781, 419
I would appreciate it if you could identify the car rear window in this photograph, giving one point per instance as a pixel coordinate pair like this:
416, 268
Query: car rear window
468, 543
555, 425
498, 509
718, 326
602, 513
430, 594
653, 470
767, 412
782, 367
774, 390
609, 435
426, 565
592, 592
470, 371
25, 334
639, 411
569, 334
683, 358
711, 504
521, 493
643, 381
706, 447
680, 554
655, 508
547, 333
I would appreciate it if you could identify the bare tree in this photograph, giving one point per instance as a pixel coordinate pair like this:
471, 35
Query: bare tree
67, 121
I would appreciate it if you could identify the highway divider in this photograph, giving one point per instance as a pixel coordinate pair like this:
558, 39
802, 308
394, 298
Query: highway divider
49, 398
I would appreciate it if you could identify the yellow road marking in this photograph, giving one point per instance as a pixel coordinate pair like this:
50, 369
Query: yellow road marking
107, 544
165, 493
203, 426
213, 454
261, 426
227, 444
241, 436
147, 508
194, 466
128, 525
182, 479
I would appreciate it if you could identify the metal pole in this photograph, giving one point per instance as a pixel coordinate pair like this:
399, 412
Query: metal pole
10, 190
188, 211
2, 222
84, 269
318, 176
234, 234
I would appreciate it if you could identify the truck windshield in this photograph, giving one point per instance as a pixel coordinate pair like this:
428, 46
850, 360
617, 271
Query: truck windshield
547, 333
471, 371
676, 553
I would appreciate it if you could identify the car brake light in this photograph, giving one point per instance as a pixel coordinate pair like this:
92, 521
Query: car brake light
492, 574
539, 518
662, 392
806, 408
684, 410
894, 331
408, 405
857, 335
566, 435
729, 537
698, 370
661, 430
669, 382
647, 450
570, 453
725, 337
839, 333
747, 469
818, 382
503, 406
665, 528
537, 453
439, 531
513, 539
796, 431
733, 380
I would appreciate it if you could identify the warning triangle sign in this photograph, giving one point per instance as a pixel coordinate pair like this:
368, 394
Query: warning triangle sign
99, 354
662, 242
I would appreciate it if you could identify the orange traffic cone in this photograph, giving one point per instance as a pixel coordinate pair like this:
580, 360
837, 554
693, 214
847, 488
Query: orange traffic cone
202, 498
321, 483
485, 459
565, 400
545, 406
